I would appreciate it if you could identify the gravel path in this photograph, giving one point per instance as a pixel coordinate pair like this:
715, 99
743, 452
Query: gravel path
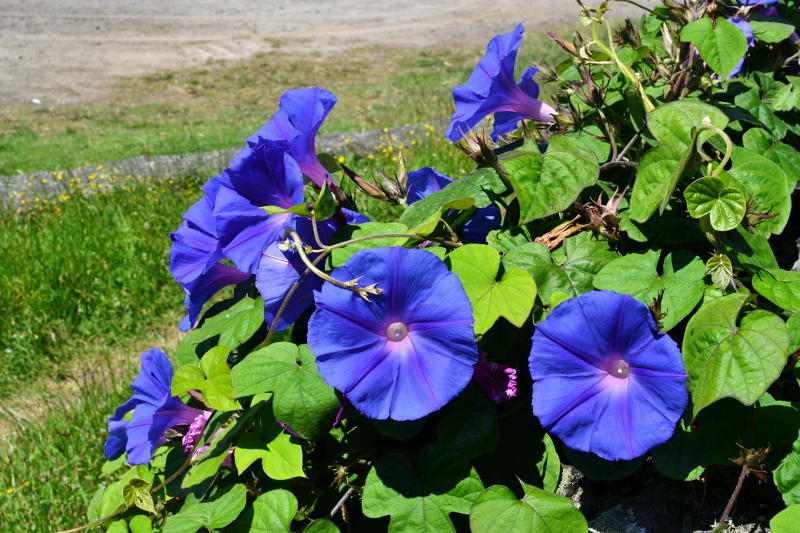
67, 51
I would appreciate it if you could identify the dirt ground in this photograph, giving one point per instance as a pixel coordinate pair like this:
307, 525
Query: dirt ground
68, 51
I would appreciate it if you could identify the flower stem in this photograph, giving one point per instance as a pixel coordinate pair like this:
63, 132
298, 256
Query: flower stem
625, 69
722, 526
351, 285
288, 297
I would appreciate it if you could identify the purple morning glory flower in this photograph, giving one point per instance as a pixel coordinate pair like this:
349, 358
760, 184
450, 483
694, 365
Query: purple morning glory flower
279, 269
747, 29
299, 117
195, 254
155, 411
492, 88
606, 381
408, 351
757, 2
267, 175
426, 181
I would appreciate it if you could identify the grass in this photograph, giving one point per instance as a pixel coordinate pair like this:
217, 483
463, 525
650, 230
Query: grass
49, 470
91, 268
219, 106
52, 436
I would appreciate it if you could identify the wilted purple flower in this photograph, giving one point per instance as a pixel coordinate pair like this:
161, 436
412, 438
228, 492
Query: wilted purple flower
155, 411
195, 254
426, 181
299, 117
408, 351
280, 269
492, 88
266, 176
747, 29
606, 380
498, 381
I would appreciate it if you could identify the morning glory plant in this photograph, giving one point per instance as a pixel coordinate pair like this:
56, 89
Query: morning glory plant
605, 380
426, 181
299, 116
492, 89
155, 410
281, 267
405, 352
267, 176
368, 362
195, 255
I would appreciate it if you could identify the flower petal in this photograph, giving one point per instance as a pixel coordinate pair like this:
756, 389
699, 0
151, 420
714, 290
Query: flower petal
413, 376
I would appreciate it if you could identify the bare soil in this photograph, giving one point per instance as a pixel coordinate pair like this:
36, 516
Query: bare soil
70, 51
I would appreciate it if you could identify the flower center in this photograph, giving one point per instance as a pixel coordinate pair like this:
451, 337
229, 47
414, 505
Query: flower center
396, 331
619, 368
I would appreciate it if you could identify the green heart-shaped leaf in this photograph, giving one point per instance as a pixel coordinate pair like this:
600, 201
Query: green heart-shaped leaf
273, 512
724, 206
302, 399
549, 183
781, 287
787, 475
229, 323
511, 296
420, 497
674, 126
569, 269
769, 186
720, 43
212, 378
213, 514
498, 509
728, 359
637, 275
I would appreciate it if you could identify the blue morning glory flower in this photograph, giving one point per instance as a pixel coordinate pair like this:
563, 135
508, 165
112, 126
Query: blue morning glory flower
266, 176
492, 88
279, 270
155, 411
408, 351
606, 381
195, 254
297, 121
757, 2
747, 29
426, 181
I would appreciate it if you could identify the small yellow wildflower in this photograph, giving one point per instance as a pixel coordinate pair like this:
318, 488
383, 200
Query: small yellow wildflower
412, 132
44, 180
340, 159
370, 156
385, 130
100, 167
394, 159
27, 483
10, 490
347, 140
